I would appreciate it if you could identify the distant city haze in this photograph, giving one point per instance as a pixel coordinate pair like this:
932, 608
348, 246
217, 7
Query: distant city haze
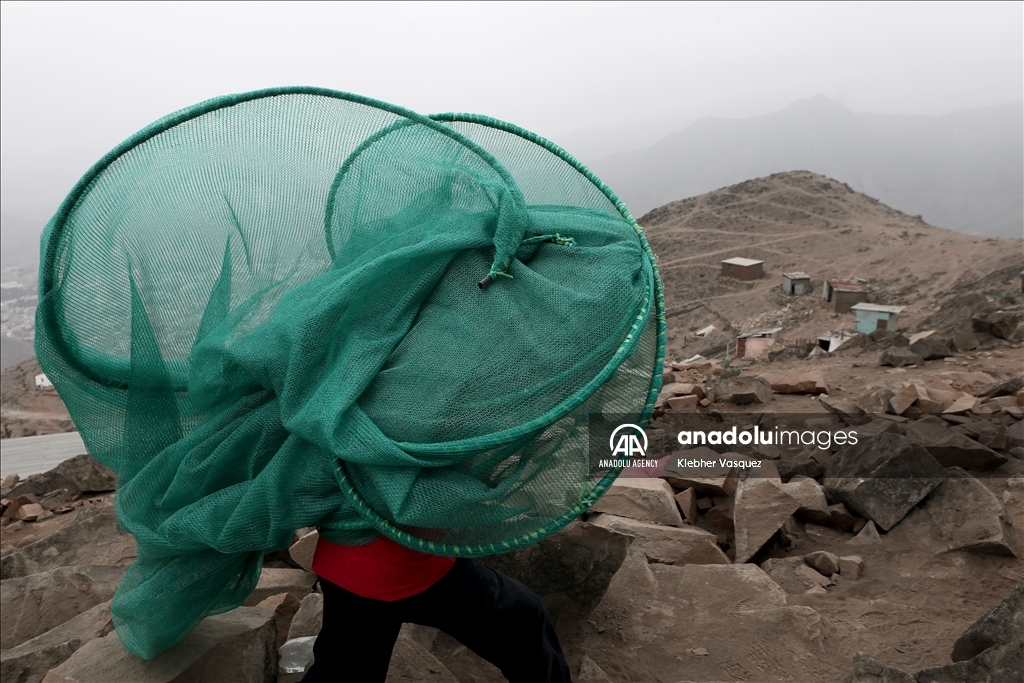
628, 88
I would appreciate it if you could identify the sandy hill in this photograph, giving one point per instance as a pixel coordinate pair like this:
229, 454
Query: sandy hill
801, 221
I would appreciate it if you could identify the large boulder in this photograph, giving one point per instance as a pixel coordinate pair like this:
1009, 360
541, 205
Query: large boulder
93, 538
570, 570
953, 449
760, 509
743, 390
1001, 626
883, 477
714, 622
648, 500
666, 544
87, 475
30, 661
309, 618
706, 474
801, 383
970, 517
32, 605
999, 324
899, 356
931, 348
235, 647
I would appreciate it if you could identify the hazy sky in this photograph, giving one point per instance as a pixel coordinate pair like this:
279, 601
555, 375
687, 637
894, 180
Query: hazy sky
76, 79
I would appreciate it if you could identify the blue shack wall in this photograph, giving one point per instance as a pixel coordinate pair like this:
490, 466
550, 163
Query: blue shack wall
867, 321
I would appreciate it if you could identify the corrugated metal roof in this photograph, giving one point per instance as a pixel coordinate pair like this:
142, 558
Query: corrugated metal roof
738, 261
759, 333
797, 276
877, 307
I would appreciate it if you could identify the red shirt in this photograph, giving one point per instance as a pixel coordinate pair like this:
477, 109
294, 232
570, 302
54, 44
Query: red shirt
382, 570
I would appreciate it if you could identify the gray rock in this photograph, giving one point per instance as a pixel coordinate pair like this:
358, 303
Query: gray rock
274, 581
1015, 435
93, 538
1000, 324
883, 477
952, 449
866, 536
823, 561
793, 575
811, 496
1001, 625
851, 566
30, 661
40, 485
411, 662
704, 606
648, 500
868, 670
1005, 387
570, 570
875, 401
666, 544
760, 509
899, 356
87, 475
687, 502
301, 552
235, 647
970, 517
716, 481
590, 672
801, 464
964, 340
847, 410
801, 383
931, 348
308, 620
32, 605
743, 390
998, 664
283, 606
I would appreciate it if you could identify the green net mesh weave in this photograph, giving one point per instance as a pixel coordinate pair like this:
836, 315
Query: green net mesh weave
263, 313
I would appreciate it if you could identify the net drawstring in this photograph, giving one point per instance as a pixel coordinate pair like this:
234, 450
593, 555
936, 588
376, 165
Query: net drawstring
527, 249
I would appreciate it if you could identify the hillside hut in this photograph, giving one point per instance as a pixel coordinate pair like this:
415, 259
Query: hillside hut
796, 283
743, 268
871, 317
755, 344
844, 295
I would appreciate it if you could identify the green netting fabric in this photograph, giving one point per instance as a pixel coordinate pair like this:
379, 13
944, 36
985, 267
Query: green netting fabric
263, 313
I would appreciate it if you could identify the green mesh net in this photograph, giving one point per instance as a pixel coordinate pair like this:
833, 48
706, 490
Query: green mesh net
263, 313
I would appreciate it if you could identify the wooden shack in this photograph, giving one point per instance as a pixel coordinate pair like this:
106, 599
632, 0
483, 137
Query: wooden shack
755, 344
796, 283
743, 268
844, 295
871, 317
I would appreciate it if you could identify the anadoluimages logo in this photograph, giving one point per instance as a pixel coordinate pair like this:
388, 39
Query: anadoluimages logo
628, 445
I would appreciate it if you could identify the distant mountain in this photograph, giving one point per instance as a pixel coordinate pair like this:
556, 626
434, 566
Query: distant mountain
963, 171
19, 240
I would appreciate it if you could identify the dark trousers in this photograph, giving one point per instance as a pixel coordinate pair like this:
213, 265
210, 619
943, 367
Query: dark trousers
493, 615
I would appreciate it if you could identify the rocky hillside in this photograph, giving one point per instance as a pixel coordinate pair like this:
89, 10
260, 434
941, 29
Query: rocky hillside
802, 221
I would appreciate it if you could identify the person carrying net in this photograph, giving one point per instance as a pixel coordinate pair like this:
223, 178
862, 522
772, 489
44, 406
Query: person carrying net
300, 307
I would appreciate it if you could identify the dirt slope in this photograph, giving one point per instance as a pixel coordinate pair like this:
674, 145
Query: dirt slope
801, 221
